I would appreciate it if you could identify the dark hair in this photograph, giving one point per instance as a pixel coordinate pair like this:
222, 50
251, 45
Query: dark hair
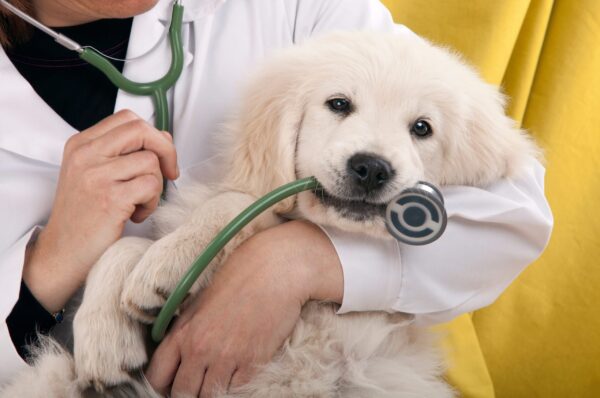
13, 30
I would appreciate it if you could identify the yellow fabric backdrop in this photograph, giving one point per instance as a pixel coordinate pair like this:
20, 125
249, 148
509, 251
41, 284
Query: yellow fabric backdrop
542, 337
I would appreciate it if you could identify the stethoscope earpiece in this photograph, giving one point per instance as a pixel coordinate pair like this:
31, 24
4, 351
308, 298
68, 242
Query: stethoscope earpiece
417, 215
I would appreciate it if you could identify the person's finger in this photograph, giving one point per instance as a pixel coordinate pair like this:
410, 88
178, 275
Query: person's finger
163, 366
143, 191
76, 141
217, 379
134, 136
240, 377
189, 378
143, 211
127, 167
105, 125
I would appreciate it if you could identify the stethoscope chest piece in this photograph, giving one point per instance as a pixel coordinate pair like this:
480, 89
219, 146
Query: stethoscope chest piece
417, 215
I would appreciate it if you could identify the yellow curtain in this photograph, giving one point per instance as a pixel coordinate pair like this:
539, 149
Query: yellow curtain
542, 337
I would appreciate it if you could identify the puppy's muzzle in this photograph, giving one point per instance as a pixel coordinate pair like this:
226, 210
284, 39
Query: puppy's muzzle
369, 172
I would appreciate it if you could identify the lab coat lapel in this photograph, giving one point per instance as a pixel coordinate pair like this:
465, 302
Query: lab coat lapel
34, 131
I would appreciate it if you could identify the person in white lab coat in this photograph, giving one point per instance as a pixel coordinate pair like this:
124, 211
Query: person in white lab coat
66, 196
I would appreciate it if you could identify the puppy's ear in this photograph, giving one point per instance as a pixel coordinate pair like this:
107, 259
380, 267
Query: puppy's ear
263, 145
490, 146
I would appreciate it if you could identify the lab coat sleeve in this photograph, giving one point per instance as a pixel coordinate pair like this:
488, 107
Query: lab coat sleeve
11, 264
492, 233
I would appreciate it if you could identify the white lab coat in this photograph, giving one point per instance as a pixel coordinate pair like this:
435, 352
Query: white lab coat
492, 234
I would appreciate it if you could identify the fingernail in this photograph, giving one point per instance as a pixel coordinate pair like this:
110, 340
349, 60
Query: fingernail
168, 135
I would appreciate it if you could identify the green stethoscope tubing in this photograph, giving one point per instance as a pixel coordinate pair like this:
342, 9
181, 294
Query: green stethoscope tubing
156, 89
212, 249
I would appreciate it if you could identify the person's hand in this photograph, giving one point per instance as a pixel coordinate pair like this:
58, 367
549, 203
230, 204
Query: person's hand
247, 312
110, 173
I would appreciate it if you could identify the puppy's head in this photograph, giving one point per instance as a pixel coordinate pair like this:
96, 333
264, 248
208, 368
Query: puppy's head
369, 115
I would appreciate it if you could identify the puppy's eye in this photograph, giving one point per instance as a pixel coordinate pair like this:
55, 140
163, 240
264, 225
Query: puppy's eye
421, 129
340, 105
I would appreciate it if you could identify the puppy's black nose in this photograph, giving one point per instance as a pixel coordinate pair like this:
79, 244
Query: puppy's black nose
369, 171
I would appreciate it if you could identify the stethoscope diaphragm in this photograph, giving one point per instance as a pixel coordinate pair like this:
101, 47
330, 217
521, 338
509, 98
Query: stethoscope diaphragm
417, 215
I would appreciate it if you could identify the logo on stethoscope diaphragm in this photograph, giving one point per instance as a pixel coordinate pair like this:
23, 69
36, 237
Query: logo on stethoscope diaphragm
417, 216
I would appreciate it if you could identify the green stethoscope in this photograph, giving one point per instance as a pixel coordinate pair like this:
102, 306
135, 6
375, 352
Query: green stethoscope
416, 216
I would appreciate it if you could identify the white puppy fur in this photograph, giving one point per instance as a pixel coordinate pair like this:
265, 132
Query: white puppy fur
288, 128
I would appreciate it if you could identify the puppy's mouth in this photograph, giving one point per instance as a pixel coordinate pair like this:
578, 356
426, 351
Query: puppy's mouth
354, 209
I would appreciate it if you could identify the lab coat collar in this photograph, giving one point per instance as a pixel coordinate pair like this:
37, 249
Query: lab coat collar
152, 26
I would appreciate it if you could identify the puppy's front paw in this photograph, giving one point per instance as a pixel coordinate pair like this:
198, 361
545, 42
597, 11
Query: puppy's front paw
153, 279
109, 347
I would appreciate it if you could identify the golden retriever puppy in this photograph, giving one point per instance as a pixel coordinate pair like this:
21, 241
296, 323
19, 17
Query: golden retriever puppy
368, 115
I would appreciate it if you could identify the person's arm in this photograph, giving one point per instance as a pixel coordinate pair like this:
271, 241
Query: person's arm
28, 317
250, 308
492, 235
110, 173
11, 262
241, 319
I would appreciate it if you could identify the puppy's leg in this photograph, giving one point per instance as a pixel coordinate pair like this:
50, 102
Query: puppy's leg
167, 260
108, 343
